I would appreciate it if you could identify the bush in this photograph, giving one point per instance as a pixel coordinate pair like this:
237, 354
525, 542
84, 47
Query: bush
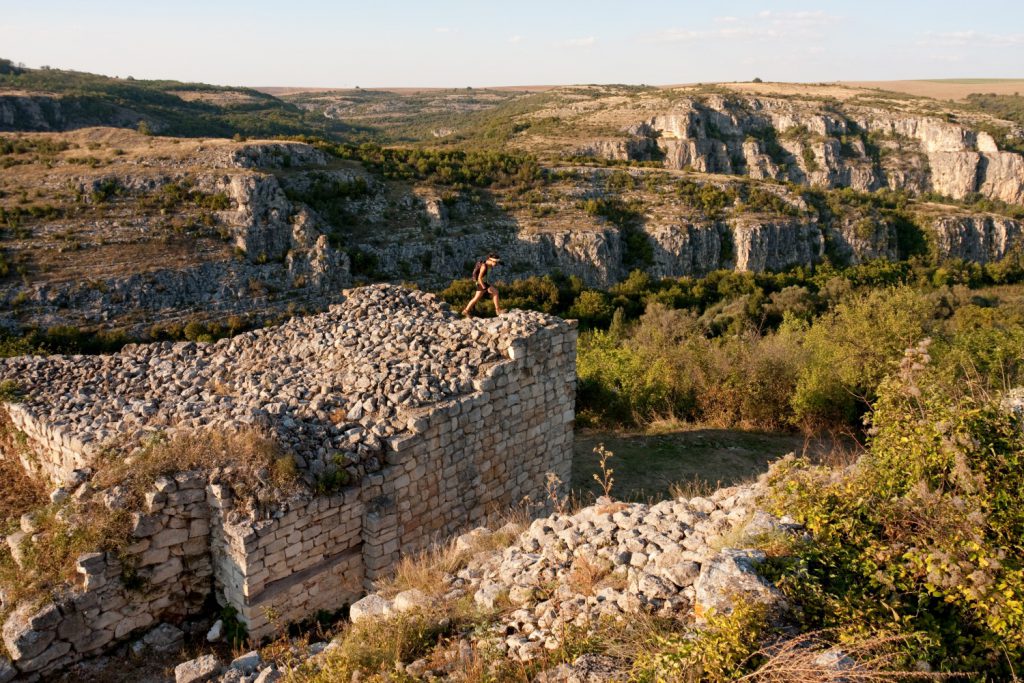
851, 348
923, 534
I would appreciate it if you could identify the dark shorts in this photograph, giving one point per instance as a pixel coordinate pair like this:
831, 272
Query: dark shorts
483, 288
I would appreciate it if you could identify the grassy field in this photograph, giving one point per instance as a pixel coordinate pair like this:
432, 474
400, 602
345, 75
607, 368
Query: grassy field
651, 466
948, 89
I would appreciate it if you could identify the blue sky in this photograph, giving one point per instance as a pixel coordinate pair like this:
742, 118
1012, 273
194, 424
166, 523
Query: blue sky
458, 43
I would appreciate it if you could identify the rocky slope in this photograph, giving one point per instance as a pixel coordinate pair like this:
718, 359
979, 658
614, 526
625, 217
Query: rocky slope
113, 229
681, 560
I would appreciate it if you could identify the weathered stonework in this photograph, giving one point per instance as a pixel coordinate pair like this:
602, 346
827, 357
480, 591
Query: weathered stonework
442, 461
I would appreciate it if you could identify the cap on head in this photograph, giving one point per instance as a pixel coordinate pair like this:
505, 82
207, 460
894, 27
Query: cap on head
493, 257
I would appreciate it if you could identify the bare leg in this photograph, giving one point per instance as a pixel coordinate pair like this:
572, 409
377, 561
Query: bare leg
497, 308
473, 302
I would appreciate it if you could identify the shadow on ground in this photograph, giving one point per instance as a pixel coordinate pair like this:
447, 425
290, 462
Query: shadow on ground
650, 466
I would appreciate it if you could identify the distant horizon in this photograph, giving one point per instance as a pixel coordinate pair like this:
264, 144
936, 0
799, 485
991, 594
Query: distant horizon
460, 43
966, 80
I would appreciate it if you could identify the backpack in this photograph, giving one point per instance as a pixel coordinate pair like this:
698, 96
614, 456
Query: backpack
476, 270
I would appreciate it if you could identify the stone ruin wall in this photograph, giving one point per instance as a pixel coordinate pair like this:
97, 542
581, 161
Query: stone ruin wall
461, 459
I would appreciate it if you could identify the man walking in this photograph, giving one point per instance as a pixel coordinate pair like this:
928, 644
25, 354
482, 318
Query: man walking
480, 273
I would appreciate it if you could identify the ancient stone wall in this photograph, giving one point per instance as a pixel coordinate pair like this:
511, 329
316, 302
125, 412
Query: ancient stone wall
165, 574
437, 467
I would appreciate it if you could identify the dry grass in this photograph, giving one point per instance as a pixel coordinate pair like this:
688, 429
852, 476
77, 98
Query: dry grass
259, 462
48, 557
424, 571
586, 576
811, 658
19, 492
952, 89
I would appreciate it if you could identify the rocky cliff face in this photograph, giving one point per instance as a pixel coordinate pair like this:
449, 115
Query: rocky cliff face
29, 112
823, 145
279, 257
260, 247
976, 238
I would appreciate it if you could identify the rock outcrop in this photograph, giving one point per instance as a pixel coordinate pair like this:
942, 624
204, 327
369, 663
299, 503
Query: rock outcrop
825, 145
980, 239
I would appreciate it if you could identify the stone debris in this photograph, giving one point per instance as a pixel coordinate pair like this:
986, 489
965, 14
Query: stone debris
247, 663
216, 632
605, 562
198, 670
331, 388
164, 638
608, 561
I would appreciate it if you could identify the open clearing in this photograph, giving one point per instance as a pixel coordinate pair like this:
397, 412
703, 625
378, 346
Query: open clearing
948, 89
647, 466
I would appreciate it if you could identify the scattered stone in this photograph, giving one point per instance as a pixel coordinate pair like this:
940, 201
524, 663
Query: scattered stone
164, 638
198, 670
216, 632
731, 576
247, 663
268, 675
369, 607
407, 601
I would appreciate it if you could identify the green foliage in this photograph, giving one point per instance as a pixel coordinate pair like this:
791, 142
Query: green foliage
666, 367
235, 632
924, 534
8, 67
810, 159
723, 650
1007, 107
332, 199
156, 106
174, 196
758, 200
10, 391
456, 168
592, 308
707, 198
851, 348
106, 189
637, 250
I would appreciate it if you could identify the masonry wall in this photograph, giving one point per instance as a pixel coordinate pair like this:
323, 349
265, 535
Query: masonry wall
46, 448
164, 575
461, 460
283, 570
477, 454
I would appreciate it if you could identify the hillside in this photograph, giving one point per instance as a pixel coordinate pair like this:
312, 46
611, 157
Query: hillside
56, 100
212, 442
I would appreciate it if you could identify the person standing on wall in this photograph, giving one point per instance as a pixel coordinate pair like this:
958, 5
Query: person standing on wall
480, 272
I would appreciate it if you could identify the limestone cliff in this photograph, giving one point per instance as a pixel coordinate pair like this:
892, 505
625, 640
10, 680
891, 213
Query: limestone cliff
822, 144
976, 238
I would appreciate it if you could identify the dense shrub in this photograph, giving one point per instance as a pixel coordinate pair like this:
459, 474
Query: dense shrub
851, 348
924, 534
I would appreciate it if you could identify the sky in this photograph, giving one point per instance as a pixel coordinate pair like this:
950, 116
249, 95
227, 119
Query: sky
459, 43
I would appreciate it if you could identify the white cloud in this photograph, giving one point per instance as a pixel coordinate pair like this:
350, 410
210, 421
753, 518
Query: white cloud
765, 25
963, 38
580, 42
515, 40
445, 29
